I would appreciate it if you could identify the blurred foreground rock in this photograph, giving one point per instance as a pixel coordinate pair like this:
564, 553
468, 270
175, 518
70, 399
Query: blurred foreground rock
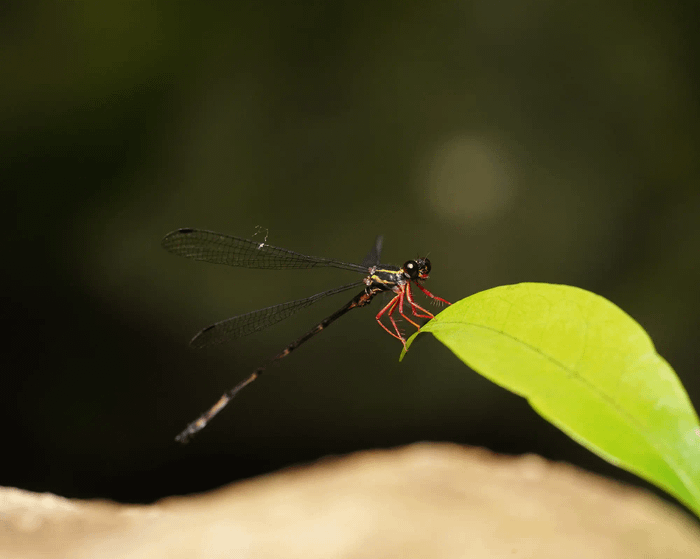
421, 501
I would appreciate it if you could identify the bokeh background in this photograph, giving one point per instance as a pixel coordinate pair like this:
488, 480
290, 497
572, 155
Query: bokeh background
513, 141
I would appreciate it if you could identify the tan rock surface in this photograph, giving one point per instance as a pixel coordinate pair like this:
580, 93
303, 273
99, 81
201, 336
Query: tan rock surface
424, 500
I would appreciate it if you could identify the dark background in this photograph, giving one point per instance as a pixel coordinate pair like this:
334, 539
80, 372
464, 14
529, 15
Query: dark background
513, 141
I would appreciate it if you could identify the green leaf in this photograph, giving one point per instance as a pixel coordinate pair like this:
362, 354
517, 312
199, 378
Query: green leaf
587, 367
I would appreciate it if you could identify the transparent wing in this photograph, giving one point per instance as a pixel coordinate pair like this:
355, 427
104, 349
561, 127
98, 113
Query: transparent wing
236, 251
245, 324
375, 253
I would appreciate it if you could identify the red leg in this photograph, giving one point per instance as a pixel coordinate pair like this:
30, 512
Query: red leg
416, 309
391, 317
390, 308
407, 293
415, 306
429, 294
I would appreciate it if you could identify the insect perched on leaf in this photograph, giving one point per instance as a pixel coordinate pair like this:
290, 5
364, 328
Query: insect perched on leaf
236, 251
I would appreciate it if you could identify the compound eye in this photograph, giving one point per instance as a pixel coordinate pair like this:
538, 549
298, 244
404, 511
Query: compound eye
411, 269
426, 266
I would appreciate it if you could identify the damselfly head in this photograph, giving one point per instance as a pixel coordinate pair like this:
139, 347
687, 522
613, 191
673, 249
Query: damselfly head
418, 269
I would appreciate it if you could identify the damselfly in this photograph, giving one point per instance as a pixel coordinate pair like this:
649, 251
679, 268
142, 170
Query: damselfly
235, 251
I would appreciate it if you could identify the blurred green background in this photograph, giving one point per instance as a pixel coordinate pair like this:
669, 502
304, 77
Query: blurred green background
513, 141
